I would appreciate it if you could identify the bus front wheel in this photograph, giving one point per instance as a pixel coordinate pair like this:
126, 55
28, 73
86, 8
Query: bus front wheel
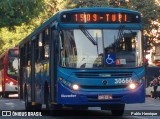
47, 100
5, 94
117, 112
46, 96
116, 109
27, 104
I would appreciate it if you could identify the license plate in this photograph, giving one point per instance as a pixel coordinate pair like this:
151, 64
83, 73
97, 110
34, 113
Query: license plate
104, 97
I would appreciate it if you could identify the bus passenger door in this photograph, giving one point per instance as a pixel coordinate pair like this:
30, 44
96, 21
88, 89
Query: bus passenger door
20, 77
53, 62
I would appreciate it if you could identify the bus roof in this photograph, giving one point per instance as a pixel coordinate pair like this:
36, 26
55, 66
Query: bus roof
56, 17
99, 9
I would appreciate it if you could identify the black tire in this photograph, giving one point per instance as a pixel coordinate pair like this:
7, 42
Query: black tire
5, 95
80, 108
28, 105
118, 110
46, 96
47, 100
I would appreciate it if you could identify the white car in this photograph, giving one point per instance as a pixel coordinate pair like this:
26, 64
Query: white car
149, 89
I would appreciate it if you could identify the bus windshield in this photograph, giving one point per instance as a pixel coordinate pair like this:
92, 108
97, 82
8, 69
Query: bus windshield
99, 48
12, 66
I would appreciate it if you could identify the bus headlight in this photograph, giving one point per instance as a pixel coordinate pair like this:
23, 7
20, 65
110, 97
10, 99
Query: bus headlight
69, 84
75, 87
132, 86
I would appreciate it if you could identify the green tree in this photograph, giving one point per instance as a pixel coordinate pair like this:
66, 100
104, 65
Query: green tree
16, 12
11, 38
150, 11
86, 3
16, 20
23, 16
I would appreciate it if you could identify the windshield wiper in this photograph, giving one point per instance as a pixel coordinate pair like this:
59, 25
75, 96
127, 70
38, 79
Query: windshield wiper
119, 35
87, 34
120, 32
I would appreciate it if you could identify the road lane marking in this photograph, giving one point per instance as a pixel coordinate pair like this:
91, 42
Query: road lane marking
10, 104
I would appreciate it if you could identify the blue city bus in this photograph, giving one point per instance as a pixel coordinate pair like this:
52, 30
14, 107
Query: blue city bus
84, 57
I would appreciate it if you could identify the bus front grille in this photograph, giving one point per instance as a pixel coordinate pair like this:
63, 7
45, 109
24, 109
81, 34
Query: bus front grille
104, 87
103, 74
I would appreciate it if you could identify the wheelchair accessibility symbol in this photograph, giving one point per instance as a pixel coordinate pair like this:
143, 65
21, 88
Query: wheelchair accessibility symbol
110, 59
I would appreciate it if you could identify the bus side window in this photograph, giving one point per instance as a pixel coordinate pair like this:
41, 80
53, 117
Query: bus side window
41, 47
46, 44
46, 51
22, 56
27, 53
36, 49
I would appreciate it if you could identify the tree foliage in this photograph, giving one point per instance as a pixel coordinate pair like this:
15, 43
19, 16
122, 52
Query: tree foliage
16, 12
20, 17
150, 11
12, 38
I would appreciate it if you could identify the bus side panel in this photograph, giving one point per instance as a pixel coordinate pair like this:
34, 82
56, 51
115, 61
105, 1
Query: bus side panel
27, 82
24, 79
39, 85
41, 76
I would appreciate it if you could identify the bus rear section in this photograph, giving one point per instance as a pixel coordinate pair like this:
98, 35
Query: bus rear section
9, 72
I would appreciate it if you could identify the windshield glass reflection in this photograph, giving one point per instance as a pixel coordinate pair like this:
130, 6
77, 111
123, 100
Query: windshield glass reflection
111, 48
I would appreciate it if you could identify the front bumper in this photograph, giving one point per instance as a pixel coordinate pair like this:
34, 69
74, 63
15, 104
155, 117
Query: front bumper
67, 96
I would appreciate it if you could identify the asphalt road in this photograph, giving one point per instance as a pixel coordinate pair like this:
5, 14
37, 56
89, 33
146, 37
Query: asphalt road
132, 111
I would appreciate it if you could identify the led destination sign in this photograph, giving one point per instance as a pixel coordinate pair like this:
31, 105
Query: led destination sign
100, 17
